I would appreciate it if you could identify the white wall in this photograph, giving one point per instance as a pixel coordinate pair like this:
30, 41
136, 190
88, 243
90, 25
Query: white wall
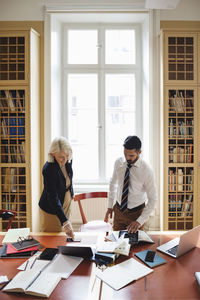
56, 78
186, 10
52, 81
21, 10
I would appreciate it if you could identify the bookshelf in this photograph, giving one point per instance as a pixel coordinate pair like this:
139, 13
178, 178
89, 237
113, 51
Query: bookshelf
19, 135
179, 61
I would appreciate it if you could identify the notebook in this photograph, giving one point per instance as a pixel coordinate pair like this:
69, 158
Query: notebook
158, 260
85, 252
180, 246
123, 273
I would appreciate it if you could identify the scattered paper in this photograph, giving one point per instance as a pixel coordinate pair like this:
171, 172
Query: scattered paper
123, 248
113, 237
88, 239
29, 262
64, 265
119, 247
3, 279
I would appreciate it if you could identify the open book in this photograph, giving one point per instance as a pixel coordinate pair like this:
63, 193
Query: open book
33, 282
122, 274
138, 237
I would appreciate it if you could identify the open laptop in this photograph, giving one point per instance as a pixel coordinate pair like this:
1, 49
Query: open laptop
180, 246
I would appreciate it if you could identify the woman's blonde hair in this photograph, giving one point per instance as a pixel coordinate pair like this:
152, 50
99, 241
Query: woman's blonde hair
57, 145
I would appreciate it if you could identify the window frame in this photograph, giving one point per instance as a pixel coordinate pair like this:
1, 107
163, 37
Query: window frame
101, 70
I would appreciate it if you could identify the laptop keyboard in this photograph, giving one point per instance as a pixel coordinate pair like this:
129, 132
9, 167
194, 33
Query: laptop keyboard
173, 250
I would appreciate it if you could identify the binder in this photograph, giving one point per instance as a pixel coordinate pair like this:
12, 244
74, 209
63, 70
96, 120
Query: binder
27, 243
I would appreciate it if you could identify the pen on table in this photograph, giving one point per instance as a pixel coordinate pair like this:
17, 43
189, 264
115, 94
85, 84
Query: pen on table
26, 265
159, 242
145, 283
33, 263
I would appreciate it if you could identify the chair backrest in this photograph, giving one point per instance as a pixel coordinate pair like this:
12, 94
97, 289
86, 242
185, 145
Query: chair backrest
85, 196
7, 214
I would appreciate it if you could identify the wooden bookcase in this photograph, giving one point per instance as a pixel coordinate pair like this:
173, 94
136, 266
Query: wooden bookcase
19, 133
180, 96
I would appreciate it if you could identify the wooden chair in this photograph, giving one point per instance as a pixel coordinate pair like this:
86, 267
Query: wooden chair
7, 214
98, 225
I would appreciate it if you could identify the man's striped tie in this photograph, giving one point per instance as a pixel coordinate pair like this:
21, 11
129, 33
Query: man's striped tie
124, 200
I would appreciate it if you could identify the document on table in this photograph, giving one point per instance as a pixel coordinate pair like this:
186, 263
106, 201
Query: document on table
88, 239
12, 235
122, 274
34, 263
63, 265
119, 247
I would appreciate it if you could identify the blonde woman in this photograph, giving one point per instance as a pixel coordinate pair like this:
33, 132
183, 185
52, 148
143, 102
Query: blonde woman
55, 201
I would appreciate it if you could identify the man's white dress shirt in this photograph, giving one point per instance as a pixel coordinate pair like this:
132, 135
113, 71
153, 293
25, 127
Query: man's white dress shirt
142, 187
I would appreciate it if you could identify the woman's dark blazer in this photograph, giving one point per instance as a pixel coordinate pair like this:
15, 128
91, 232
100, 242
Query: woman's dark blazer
53, 195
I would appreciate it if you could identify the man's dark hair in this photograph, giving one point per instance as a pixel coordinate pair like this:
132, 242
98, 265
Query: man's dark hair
132, 142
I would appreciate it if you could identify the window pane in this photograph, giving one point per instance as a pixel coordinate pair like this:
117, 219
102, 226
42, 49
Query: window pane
83, 118
120, 46
82, 47
120, 115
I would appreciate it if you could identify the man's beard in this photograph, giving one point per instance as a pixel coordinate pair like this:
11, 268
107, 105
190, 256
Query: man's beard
130, 161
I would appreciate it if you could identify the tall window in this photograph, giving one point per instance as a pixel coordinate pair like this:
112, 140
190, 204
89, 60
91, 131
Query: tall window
102, 96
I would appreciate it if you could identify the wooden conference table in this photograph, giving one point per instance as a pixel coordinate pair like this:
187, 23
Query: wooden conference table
173, 280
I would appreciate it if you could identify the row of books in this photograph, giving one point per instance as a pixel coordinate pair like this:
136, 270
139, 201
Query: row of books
180, 127
12, 126
180, 104
181, 154
12, 203
180, 182
187, 211
182, 205
18, 188
13, 100
12, 181
13, 153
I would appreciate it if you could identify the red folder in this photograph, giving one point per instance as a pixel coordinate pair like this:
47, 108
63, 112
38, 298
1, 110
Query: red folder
12, 250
